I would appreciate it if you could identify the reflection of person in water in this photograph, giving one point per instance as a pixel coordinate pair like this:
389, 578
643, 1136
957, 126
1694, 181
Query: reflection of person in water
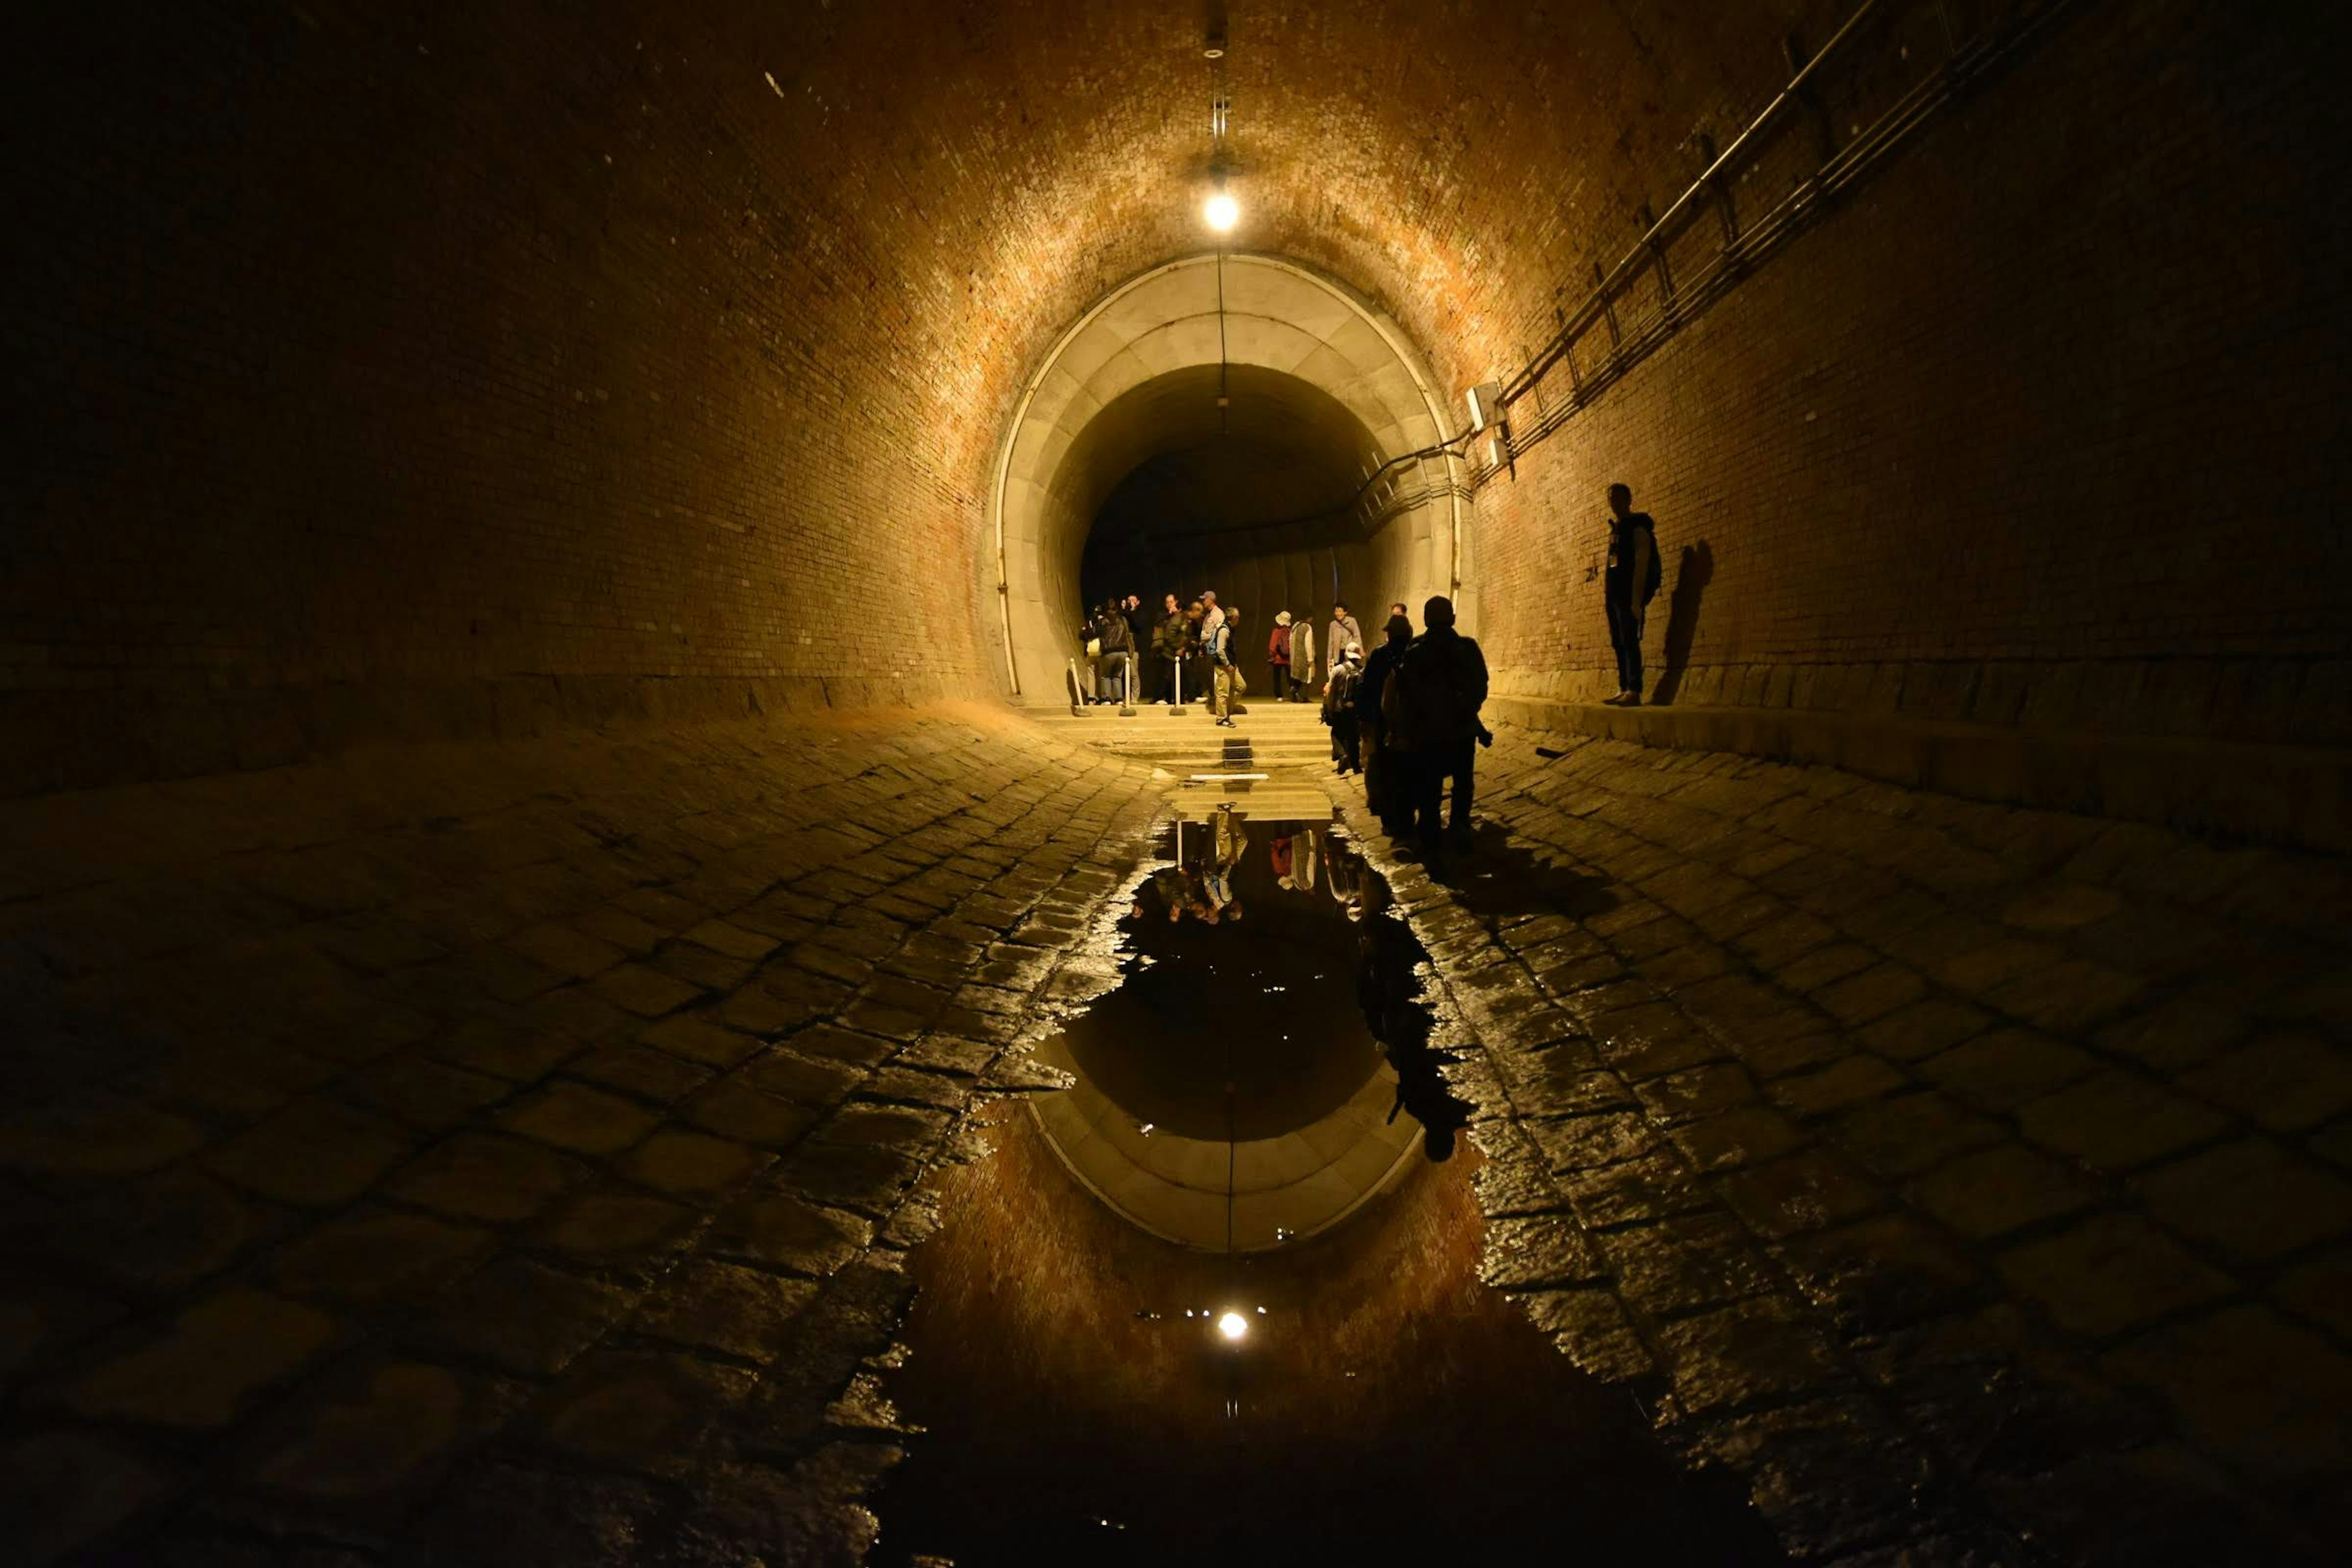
1389, 995
1343, 873
1227, 843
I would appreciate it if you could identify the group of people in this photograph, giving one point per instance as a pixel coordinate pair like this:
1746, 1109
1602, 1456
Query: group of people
1405, 718
1186, 653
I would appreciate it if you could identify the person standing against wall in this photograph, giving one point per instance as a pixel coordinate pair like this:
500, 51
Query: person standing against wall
1631, 582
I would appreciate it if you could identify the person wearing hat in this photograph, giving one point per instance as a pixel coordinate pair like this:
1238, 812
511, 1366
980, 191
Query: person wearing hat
1277, 656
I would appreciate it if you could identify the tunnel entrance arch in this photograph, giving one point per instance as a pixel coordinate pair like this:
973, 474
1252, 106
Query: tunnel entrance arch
1125, 385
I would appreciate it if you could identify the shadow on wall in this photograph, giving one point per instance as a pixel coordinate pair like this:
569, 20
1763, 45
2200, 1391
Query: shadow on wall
1691, 575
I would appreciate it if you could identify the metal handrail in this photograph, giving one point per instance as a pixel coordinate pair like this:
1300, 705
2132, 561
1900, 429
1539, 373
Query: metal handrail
1743, 246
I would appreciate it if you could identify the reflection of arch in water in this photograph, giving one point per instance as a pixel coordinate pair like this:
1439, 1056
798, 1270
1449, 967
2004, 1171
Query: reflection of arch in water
1189, 1191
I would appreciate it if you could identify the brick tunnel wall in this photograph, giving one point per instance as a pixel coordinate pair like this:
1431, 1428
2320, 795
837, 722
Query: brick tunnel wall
2037, 429
483, 369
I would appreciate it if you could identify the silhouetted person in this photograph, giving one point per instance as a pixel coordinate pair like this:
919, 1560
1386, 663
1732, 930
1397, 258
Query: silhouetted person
1396, 612
1432, 707
1389, 997
1627, 588
1384, 789
1138, 634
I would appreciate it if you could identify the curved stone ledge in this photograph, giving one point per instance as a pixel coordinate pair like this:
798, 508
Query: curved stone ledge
2276, 793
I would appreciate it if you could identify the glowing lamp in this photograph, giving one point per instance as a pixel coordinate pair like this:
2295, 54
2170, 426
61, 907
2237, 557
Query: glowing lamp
1233, 1326
1222, 211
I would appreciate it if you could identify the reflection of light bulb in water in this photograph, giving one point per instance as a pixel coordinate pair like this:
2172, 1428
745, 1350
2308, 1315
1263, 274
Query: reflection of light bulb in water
1233, 1325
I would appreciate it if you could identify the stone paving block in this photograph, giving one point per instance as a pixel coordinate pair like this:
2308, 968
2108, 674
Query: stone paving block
835, 1044
424, 1095
1881, 1273
1742, 1136
1696, 1092
1847, 1082
503, 1050
492, 1179
1590, 1328
1926, 1027
583, 1121
2287, 1082
632, 1410
720, 1306
1646, 1187
212, 1363
1872, 994
1749, 1351
367, 1431
1539, 1250
2259, 1391
370, 1256
734, 1109
2251, 1198
1581, 1143
2066, 997
522, 1316
604, 1225
70, 1490
2117, 1120
2320, 1291
2108, 1274
1805, 1192
2177, 1036
702, 968
2005, 1069
640, 1072
691, 1164
163, 1232
103, 1135
2002, 1189
648, 993
569, 951
315, 1153
695, 1038
1684, 1264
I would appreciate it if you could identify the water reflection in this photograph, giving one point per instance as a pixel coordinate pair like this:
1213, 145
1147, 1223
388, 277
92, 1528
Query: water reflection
1261, 1091
1229, 1096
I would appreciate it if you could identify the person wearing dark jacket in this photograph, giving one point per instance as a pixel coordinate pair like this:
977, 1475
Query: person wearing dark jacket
1383, 790
1432, 707
1627, 588
1167, 650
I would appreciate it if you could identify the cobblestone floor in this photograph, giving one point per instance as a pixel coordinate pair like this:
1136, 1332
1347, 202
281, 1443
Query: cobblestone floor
506, 1154
1973, 1178
501, 1156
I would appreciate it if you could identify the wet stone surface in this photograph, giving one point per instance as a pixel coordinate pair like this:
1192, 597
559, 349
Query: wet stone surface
513, 1167
513, 1154
1975, 1181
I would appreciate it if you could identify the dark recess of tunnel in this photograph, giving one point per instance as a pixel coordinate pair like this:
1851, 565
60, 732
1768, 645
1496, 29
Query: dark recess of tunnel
1259, 483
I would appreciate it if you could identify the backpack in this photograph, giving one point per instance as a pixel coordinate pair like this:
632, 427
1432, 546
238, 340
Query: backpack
1424, 703
1656, 574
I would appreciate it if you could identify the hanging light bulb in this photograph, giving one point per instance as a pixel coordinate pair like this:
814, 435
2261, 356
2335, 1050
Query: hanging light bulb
1221, 211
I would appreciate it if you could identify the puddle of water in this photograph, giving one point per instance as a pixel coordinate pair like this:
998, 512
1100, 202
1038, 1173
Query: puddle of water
1215, 1298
